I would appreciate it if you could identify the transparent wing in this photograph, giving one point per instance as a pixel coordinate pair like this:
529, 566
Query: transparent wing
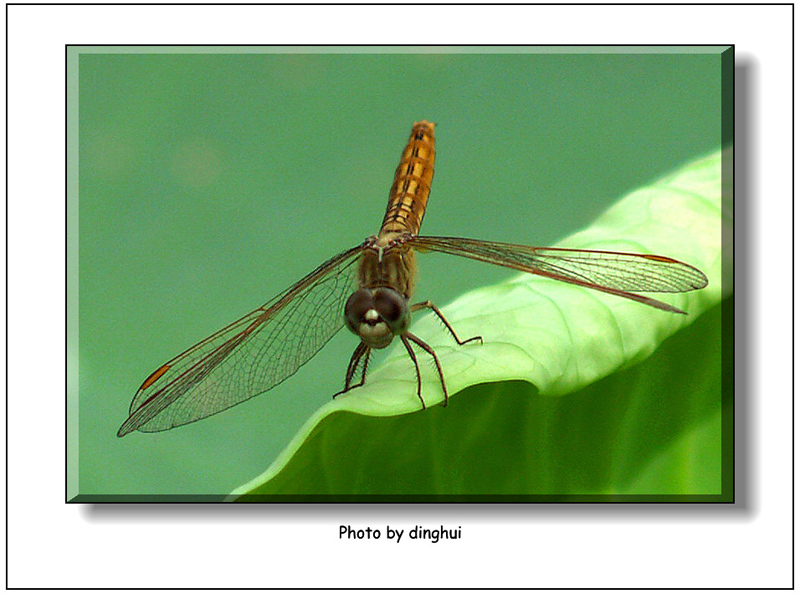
617, 273
249, 356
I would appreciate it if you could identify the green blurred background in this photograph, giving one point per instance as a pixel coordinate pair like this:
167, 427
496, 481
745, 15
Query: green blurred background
210, 179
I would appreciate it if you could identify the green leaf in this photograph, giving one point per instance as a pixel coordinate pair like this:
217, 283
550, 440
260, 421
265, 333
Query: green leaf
632, 433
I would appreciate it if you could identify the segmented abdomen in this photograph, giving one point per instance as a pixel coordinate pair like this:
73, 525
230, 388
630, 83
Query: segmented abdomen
412, 183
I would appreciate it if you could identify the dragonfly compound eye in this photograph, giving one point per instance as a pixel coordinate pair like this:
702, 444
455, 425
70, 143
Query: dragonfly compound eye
356, 308
363, 319
393, 309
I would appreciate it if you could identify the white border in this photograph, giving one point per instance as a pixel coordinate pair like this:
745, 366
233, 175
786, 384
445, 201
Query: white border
55, 545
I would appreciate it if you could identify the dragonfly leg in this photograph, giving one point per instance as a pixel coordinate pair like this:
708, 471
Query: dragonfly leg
361, 353
416, 367
431, 306
425, 347
364, 368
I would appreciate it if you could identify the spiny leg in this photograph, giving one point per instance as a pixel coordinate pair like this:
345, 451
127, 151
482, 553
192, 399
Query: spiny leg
364, 368
352, 367
362, 352
416, 367
431, 306
424, 346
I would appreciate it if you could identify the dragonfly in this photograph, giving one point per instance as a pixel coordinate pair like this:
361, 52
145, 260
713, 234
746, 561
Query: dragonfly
368, 288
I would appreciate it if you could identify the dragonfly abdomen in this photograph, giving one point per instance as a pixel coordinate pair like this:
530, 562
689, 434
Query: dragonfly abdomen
412, 183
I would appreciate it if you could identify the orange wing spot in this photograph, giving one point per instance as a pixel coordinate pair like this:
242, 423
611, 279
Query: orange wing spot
154, 376
658, 258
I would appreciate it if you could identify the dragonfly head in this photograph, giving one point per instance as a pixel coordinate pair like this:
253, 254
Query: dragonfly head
377, 315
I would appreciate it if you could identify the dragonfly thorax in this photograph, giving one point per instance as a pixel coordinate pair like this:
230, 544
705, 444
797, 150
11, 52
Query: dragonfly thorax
386, 261
377, 315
